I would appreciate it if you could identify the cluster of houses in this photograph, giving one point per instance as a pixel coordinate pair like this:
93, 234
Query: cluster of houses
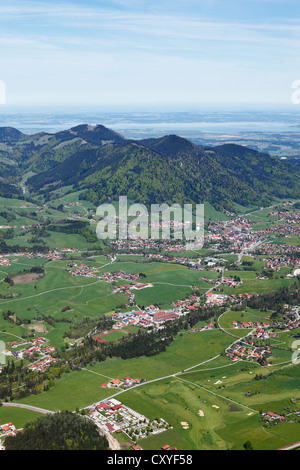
4, 261
200, 264
126, 382
72, 204
231, 281
52, 255
7, 429
290, 226
90, 271
49, 349
192, 301
271, 416
69, 250
132, 318
135, 246
17, 226
113, 416
263, 330
42, 364
210, 326
247, 351
251, 324
35, 346
294, 217
291, 319
212, 299
234, 297
15, 354
215, 299
278, 249
278, 262
113, 277
151, 317
15, 344
127, 287
238, 232
83, 270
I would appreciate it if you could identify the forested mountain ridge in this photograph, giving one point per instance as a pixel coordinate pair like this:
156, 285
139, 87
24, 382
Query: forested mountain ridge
42, 151
169, 169
262, 172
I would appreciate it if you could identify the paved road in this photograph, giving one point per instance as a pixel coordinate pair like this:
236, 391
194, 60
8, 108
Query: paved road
291, 446
147, 382
218, 283
28, 407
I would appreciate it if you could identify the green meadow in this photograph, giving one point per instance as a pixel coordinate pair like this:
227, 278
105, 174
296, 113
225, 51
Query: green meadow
58, 289
79, 389
17, 416
210, 402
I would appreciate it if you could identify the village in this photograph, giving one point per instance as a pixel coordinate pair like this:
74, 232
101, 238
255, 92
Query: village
152, 317
35, 347
246, 351
52, 255
89, 271
235, 237
112, 415
277, 262
123, 383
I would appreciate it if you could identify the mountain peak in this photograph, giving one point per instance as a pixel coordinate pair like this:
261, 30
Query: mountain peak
91, 134
170, 145
10, 134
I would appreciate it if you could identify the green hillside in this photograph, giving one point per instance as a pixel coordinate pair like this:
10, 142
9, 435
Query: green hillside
103, 165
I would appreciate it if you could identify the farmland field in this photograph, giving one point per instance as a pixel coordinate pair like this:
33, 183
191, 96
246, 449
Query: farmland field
209, 400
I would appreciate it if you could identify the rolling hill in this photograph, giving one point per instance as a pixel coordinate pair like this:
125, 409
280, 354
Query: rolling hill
172, 169
104, 165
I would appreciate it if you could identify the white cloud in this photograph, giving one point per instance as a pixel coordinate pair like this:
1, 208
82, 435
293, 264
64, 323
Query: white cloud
67, 52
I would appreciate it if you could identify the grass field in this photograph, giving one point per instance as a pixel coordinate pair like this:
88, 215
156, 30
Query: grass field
87, 296
83, 388
17, 416
192, 381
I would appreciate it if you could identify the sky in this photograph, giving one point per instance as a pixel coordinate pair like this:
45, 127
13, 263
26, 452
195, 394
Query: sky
127, 53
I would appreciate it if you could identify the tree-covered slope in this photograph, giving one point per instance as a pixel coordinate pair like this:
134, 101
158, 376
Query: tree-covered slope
9, 190
93, 134
264, 173
185, 175
59, 431
43, 151
169, 169
10, 134
148, 177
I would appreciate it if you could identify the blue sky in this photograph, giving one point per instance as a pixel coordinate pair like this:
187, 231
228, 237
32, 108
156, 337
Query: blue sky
144, 53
